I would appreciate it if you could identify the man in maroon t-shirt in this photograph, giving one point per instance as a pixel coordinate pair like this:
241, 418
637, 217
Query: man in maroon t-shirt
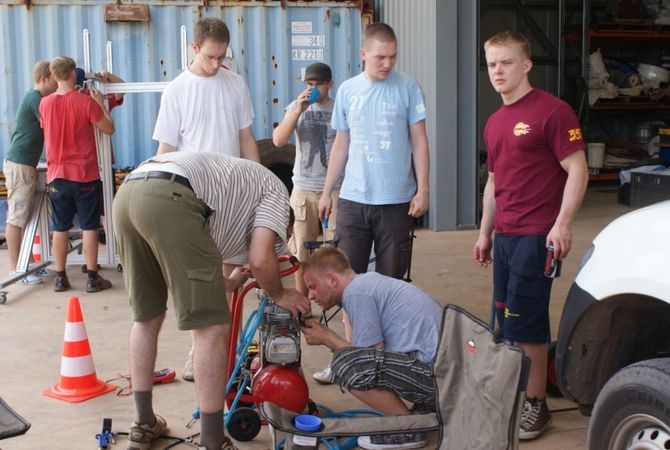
73, 178
537, 179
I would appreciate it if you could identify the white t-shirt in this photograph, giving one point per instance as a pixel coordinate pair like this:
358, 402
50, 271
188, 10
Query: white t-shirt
204, 113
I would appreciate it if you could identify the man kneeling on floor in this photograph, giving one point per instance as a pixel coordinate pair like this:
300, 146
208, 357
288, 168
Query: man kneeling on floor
177, 217
395, 335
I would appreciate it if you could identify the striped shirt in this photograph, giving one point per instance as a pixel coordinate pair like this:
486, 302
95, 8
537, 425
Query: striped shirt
242, 194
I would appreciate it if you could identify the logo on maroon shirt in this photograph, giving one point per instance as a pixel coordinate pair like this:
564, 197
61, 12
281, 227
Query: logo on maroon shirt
575, 134
521, 129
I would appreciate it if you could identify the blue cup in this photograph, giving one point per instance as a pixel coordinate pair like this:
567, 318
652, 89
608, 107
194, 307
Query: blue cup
308, 423
313, 95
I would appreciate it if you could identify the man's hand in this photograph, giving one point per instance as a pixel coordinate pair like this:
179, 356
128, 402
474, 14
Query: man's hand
561, 238
419, 204
97, 96
302, 102
236, 278
293, 301
325, 205
317, 334
482, 251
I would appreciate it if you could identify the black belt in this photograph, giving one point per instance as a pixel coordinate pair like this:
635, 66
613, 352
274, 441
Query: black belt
161, 176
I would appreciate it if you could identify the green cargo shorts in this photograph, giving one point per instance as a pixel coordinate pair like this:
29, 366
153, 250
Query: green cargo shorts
165, 244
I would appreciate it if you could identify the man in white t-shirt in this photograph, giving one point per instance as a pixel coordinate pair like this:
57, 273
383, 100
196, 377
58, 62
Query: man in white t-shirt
207, 107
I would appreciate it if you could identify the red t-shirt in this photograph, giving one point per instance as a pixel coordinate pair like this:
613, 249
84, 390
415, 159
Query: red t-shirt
69, 137
526, 142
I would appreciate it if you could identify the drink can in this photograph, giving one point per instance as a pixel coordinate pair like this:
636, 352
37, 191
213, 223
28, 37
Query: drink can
552, 265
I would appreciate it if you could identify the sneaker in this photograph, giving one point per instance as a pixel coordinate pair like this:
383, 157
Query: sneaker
323, 376
227, 445
45, 272
61, 283
141, 435
187, 374
97, 284
27, 279
535, 418
393, 441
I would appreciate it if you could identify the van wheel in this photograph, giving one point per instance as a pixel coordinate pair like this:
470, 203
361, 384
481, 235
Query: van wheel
632, 410
552, 379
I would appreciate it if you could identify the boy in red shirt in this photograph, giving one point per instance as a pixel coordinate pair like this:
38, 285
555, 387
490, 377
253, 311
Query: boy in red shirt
73, 177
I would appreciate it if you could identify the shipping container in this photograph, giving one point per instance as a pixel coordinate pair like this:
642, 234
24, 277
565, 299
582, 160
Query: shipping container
272, 42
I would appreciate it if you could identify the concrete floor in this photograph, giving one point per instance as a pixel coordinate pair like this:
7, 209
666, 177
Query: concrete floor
32, 324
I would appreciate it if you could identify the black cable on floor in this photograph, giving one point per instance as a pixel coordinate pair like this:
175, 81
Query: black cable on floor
177, 442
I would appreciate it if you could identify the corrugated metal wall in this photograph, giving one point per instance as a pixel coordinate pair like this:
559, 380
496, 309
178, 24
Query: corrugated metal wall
267, 41
437, 42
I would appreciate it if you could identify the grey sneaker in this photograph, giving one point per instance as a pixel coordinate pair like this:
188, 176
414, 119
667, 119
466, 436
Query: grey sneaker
28, 279
227, 445
535, 418
323, 376
393, 441
187, 374
142, 435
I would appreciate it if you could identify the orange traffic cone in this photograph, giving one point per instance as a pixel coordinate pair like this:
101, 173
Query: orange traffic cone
78, 381
37, 249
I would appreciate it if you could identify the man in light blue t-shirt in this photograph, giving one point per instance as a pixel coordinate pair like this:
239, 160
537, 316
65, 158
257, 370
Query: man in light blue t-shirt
395, 333
382, 147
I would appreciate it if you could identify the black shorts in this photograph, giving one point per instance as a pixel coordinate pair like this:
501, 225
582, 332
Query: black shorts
387, 226
521, 292
71, 197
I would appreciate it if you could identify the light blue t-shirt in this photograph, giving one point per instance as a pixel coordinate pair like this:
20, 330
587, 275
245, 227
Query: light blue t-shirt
377, 115
392, 311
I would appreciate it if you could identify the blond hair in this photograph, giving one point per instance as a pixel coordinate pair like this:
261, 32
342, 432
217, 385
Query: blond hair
509, 38
40, 70
61, 67
378, 32
328, 259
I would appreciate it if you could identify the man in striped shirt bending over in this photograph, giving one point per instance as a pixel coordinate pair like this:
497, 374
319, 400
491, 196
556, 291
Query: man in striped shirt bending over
177, 218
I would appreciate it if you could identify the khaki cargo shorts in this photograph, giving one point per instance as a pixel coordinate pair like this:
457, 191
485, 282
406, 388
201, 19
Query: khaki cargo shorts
165, 244
21, 182
306, 227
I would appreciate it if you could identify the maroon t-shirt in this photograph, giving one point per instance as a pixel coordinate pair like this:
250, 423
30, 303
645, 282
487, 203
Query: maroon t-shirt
526, 142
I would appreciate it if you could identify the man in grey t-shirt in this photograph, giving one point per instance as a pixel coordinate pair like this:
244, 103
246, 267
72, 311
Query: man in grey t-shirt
309, 117
395, 333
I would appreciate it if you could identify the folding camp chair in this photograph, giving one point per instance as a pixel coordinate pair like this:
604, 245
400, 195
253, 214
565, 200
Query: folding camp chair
11, 424
480, 384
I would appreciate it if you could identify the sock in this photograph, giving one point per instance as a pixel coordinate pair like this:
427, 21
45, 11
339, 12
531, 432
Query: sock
61, 273
211, 430
144, 407
92, 274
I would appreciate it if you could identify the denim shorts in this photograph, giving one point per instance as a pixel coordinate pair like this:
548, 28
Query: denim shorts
521, 292
71, 197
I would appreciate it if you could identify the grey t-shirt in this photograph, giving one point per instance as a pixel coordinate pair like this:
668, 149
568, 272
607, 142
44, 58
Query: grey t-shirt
314, 139
392, 311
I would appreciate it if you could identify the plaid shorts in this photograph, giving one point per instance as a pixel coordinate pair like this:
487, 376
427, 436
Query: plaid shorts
365, 368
